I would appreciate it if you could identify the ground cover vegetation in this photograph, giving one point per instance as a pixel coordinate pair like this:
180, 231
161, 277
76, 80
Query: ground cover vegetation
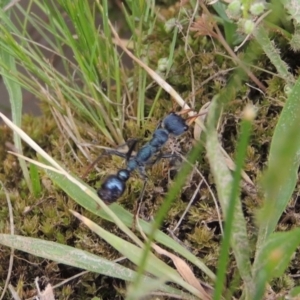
219, 218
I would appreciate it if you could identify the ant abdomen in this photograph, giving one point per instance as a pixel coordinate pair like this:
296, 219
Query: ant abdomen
113, 186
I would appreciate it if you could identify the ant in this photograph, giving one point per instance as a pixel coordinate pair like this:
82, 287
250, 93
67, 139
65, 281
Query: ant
114, 185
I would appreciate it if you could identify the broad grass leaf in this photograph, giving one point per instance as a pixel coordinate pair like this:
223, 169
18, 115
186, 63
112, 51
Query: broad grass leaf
77, 258
224, 182
284, 158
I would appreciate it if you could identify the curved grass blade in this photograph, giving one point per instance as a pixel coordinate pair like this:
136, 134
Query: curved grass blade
74, 257
154, 265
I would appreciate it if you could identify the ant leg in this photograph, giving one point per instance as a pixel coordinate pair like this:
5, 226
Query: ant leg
162, 156
129, 143
131, 148
126, 155
89, 168
169, 155
142, 172
115, 152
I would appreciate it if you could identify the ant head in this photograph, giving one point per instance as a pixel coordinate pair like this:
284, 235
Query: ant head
174, 124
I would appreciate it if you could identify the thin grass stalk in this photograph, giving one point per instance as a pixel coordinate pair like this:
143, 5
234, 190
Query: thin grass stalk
16, 101
107, 43
170, 61
141, 52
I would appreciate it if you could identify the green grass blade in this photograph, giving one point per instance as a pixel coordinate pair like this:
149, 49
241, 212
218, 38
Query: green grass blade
169, 65
227, 189
273, 53
16, 101
35, 179
282, 174
283, 163
77, 258
66, 255
154, 265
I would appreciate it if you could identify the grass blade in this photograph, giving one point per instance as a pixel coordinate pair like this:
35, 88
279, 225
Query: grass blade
16, 102
154, 265
282, 173
227, 189
78, 258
